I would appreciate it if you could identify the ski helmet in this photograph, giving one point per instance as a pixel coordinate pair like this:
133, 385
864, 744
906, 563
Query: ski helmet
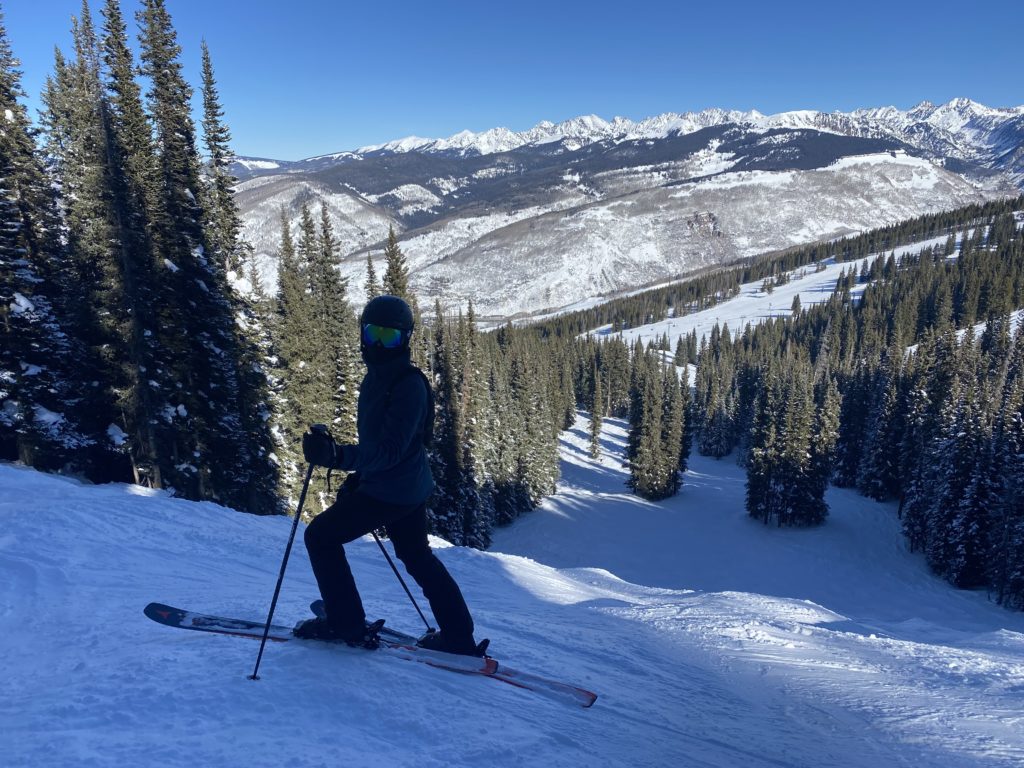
389, 311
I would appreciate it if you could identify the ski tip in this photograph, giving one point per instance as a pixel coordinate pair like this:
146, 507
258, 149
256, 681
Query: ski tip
164, 614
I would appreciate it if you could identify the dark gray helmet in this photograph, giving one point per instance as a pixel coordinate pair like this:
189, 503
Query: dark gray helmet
389, 311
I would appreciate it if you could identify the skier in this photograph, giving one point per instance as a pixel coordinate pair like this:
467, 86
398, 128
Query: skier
389, 487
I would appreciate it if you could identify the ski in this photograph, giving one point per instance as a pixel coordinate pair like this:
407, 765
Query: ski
514, 677
222, 625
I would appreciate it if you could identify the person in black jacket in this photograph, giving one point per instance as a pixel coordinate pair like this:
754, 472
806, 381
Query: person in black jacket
389, 488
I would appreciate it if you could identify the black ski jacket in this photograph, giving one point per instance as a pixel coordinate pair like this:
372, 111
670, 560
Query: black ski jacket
390, 457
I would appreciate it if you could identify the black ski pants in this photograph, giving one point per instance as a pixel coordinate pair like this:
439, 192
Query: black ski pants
355, 514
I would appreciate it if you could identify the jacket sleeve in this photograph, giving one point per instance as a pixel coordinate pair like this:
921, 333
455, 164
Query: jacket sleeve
402, 424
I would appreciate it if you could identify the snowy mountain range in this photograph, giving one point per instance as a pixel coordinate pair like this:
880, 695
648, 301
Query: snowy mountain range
538, 220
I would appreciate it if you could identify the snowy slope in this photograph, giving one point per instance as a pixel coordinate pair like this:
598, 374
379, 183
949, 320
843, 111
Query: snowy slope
538, 220
566, 256
713, 640
752, 306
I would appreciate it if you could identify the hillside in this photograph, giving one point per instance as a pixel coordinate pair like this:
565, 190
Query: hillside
711, 639
528, 222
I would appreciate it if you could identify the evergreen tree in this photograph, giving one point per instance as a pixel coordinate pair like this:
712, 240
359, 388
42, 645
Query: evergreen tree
1005, 551
878, 471
336, 329
216, 436
596, 406
762, 502
373, 289
852, 424
823, 447
462, 508
169, 99
673, 431
293, 320
91, 286
396, 275
223, 223
36, 360
134, 201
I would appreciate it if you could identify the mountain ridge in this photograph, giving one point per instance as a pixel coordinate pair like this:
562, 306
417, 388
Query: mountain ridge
526, 223
951, 116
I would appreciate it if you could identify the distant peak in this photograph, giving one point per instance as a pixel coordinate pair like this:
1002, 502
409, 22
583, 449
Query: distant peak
585, 129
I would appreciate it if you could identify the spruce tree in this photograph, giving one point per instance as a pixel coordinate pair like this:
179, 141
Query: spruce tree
396, 275
291, 340
672, 431
134, 200
764, 458
91, 289
373, 289
223, 224
208, 418
36, 359
878, 470
596, 406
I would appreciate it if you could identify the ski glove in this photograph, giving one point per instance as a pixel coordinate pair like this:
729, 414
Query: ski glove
319, 448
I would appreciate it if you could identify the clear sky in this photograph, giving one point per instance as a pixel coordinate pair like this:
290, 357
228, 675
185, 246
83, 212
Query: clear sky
305, 77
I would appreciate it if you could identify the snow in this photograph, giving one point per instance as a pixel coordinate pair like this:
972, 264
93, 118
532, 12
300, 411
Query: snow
47, 418
117, 435
754, 306
264, 165
711, 639
958, 116
21, 305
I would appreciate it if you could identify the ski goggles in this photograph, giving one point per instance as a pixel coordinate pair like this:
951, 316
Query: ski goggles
381, 335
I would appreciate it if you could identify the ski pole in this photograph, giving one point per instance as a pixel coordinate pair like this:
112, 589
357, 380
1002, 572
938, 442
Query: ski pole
402, 581
284, 562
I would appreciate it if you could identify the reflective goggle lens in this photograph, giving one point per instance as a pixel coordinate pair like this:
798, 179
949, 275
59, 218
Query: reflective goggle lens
389, 338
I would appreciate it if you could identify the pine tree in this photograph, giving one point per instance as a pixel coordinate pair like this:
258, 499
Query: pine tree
208, 418
91, 289
821, 454
653, 473
373, 289
396, 276
134, 201
223, 223
169, 100
763, 463
460, 510
852, 424
673, 431
801, 497
686, 438
596, 406
878, 470
36, 361
337, 328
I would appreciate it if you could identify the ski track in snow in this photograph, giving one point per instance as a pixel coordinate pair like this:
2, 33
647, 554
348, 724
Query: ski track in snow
711, 639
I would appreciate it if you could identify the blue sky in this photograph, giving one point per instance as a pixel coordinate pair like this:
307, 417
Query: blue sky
308, 77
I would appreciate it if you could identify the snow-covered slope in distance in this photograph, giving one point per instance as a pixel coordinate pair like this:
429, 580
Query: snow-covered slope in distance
712, 640
562, 257
753, 306
578, 243
538, 220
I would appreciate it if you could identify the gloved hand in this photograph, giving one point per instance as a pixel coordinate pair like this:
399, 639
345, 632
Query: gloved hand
318, 447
